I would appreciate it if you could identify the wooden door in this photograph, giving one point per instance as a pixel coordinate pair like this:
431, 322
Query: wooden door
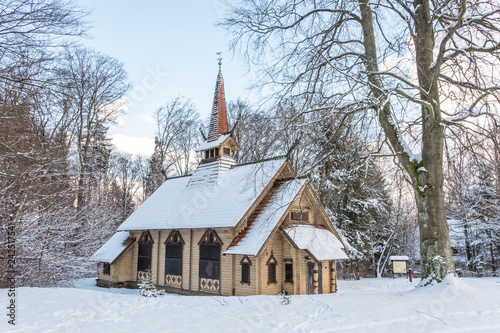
310, 278
320, 278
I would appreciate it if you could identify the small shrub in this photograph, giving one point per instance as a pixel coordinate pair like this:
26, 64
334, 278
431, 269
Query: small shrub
147, 288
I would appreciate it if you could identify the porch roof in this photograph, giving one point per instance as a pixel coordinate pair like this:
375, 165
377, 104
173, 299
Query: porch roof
320, 243
113, 248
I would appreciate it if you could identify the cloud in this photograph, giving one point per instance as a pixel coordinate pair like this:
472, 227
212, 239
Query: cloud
147, 118
133, 145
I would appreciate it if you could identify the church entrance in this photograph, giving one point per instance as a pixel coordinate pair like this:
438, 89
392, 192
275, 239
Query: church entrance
310, 278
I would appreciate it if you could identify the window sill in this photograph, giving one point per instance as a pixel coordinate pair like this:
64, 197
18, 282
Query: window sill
241, 282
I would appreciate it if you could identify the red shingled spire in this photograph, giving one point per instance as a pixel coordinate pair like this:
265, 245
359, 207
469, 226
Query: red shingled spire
218, 119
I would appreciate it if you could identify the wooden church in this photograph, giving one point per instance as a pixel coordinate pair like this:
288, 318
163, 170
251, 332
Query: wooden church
227, 229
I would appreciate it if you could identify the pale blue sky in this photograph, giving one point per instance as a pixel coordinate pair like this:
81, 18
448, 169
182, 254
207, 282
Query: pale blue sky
169, 49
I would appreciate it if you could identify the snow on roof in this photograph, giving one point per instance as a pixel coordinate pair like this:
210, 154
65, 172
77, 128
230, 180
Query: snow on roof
207, 205
112, 248
266, 221
212, 144
320, 243
399, 258
211, 173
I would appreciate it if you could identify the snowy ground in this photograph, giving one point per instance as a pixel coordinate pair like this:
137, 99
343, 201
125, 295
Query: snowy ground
368, 305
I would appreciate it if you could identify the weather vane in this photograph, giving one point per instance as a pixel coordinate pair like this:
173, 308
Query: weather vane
220, 59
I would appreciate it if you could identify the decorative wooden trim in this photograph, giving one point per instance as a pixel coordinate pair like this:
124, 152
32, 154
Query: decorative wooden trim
272, 258
145, 237
205, 239
171, 238
246, 259
173, 280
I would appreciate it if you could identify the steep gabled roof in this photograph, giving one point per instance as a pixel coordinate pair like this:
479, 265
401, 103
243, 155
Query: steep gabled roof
273, 211
114, 247
204, 204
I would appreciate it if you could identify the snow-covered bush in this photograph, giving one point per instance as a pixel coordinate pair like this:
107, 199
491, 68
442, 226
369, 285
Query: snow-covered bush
285, 299
147, 288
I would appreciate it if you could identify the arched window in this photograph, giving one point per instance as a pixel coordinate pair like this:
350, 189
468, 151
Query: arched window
245, 269
173, 253
210, 247
145, 251
271, 269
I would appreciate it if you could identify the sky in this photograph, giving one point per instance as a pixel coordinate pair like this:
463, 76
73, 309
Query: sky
169, 49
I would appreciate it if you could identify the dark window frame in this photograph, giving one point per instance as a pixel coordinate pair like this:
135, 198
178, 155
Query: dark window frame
245, 270
144, 252
174, 247
300, 216
226, 151
289, 272
272, 265
210, 247
106, 268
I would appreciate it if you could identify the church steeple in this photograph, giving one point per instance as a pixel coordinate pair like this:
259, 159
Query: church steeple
218, 119
219, 144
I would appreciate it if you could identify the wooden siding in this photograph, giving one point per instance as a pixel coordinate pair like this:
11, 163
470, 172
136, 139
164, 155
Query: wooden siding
125, 268
244, 289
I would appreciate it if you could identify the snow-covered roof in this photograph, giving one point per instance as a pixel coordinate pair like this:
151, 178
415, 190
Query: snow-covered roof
399, 258
267, 220
212, 144
112, 248
320, 243
174, 205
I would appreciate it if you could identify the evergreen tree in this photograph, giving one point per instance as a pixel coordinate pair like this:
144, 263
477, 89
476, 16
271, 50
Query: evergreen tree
352, 190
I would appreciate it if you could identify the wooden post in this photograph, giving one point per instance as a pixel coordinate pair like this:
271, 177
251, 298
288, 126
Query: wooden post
190, 258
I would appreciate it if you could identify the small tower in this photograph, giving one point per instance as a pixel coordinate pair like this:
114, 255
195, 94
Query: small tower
219, 141
218, 149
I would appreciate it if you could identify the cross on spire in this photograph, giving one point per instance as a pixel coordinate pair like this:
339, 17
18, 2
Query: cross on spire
219, 58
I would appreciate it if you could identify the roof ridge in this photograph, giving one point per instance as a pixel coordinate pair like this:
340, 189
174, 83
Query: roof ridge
175, 177
260, 161
282, 180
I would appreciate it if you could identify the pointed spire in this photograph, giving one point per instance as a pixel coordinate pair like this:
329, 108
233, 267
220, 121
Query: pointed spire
218, 119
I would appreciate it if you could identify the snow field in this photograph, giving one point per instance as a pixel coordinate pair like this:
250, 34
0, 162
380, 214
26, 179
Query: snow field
367, 305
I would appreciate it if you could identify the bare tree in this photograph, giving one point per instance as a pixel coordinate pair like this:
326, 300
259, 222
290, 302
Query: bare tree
420, 63
253, 130
93, 84
31, 31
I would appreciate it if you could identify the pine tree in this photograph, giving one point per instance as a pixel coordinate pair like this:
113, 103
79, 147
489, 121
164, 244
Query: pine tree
147, 287
352, 190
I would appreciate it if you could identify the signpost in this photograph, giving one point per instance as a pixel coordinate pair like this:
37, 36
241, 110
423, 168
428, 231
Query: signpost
399, 264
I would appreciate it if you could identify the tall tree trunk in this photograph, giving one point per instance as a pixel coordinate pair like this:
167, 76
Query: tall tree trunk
435, 248
426, 174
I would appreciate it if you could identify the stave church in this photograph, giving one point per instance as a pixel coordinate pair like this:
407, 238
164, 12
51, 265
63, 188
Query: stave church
227, 229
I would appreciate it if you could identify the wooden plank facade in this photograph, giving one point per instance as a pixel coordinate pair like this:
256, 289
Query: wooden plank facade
292, 266
252, 254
